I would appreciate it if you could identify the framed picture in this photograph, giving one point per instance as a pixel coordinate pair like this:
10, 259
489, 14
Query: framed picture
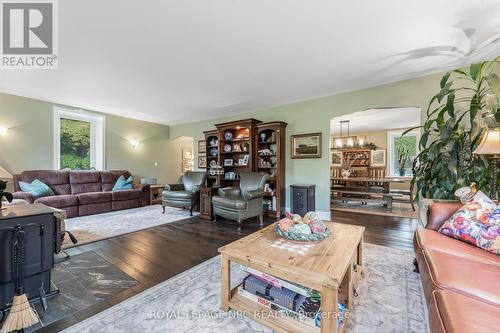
228, 162
202, 147
246, 158
336, 158
187, 154
378, 158
241, 161
306, 145
202, 162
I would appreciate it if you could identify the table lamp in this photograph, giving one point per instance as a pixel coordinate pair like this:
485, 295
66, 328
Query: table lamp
490, 145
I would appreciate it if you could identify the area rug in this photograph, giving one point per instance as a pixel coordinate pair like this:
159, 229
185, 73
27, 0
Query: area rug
88, 229
390, 300
398, 209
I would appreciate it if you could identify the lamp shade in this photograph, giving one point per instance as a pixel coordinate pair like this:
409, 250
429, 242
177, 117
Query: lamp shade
5, 175
490, 144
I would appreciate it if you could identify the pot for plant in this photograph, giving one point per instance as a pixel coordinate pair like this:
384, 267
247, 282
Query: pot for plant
402, 172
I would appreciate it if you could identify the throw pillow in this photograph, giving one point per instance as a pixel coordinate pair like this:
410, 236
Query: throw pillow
476, 223
123, 184
37, 188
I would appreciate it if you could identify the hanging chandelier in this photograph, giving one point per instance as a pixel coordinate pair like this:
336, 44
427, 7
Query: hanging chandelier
348, 140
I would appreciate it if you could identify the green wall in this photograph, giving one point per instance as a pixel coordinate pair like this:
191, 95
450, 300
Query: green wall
28, 143
314, 116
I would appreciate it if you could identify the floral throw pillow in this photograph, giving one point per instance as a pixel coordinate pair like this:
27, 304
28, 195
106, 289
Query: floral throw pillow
476, 223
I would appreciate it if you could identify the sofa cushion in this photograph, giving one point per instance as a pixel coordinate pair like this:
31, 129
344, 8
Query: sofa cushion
125, 195
431, 240
476, 223
94, 197
36, 188
58, 181
109, 178
451, 312
460, 275
235, 204
124, 184
59, 201
178, 195
85, 181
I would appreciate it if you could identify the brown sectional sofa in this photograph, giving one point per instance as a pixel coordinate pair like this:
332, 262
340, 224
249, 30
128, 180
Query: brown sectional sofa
82, 193
461, 282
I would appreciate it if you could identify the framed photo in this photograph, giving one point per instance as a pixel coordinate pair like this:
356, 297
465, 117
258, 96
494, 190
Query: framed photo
246, 158
202, 147
241, 161
228, 162
336, 158
202, 162
187, 154
378, 158
306, 145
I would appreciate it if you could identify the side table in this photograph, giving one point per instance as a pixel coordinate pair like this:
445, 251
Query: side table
155, 194
206, 209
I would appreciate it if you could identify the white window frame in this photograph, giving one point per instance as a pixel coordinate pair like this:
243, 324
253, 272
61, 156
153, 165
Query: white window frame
97, 137
390, 154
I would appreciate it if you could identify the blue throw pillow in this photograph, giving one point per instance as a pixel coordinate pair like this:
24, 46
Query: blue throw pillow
37, 188
122, 184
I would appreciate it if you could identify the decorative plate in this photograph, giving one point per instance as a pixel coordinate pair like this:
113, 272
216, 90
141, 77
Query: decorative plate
301, 237
227, 147
213, 163
214, 151
228, 135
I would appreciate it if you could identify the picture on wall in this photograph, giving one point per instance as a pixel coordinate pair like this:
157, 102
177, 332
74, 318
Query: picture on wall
202, 162
337, 158
187, 160
306, 145
202, 147
378, 158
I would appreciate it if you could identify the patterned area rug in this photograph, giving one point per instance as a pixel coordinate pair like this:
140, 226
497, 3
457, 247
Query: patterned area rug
88, 229
390, 300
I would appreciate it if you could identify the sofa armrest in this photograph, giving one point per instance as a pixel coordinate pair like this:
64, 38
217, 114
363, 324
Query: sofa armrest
28, 197
174, 187
230, 192
250, 195
439, 212
145, 193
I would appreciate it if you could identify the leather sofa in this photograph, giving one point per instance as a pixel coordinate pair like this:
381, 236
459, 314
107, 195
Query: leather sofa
461, 282
82, 193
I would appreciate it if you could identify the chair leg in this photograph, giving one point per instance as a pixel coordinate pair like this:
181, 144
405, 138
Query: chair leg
239, 225
261, 220
215, 219
191, 211
163, 209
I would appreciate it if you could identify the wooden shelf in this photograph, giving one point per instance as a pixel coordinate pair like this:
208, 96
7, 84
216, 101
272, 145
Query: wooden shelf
236, 140
267, 143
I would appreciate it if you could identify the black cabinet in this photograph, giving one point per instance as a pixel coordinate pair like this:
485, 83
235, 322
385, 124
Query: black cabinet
303, 198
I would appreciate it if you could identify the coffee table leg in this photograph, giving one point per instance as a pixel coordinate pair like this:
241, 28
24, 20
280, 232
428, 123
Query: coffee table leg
329, 299
225, 282
360, 256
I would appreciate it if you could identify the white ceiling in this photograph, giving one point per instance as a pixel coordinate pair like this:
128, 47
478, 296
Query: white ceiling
185, 60
372, 120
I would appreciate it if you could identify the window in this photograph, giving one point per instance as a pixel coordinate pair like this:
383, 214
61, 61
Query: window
78, 140
402, 152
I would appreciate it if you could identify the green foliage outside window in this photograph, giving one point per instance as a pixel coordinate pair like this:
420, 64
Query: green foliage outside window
75, 144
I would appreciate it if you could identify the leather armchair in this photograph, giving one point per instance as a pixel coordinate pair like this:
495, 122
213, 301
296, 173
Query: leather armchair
243, 202
187, 194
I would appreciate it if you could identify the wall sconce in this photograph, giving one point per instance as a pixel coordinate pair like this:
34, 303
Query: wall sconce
3, 130
134, 143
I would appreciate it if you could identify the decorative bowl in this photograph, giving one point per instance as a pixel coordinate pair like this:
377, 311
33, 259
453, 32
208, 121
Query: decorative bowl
301, 237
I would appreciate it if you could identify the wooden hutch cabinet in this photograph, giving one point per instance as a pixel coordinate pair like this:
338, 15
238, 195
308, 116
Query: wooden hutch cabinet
247, 145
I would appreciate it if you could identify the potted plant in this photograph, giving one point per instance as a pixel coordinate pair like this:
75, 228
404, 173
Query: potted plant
403, 160
457, 116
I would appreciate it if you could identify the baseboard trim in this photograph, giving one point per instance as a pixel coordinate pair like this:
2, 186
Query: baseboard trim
326, 216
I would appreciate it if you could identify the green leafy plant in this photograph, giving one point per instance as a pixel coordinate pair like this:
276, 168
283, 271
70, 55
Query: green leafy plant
457, 116
403, 159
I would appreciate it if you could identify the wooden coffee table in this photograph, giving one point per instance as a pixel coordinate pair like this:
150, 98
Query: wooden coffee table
333, 267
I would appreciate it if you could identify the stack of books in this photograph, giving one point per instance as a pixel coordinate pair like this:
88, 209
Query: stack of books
289, 299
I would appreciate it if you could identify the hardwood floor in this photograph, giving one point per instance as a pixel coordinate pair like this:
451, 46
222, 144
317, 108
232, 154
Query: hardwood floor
154, 255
